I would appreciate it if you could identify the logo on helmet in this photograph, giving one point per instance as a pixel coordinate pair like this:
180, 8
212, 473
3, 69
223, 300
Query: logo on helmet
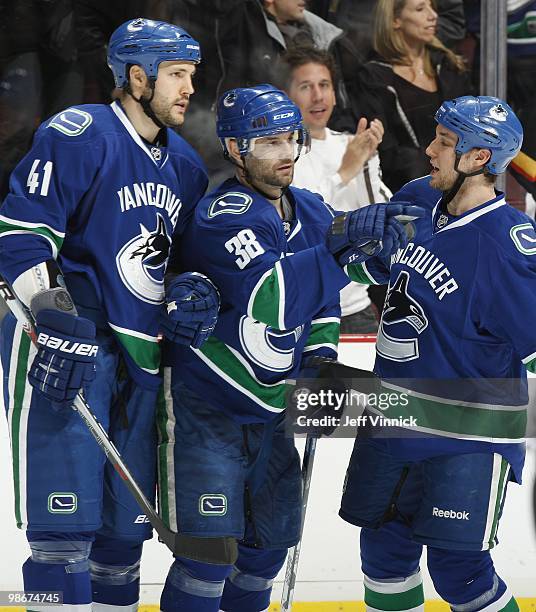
283, 116
498, 112
230, 100
136, 25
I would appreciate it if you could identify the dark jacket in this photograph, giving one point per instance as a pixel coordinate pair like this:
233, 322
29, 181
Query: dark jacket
402, 153
36, 26
357, 17
94, 22
250, 44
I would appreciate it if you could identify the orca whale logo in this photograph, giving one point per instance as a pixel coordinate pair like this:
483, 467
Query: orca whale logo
141, 262
400, 307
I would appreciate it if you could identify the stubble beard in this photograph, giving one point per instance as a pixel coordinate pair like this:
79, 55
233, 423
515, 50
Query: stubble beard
267, 175
442, 183
163, 111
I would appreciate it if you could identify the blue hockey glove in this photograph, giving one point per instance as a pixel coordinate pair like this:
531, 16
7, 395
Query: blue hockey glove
375, 230
66, 356
192, 305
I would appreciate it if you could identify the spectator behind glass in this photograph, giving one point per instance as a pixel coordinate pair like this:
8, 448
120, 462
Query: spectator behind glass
356, 16
253, 34
243, 41
405, 84
343, 168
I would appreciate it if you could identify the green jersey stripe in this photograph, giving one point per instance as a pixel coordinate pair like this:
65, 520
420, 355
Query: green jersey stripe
531, 366
143, 349
12, 228
165, 420
18, 224
18, 440
230, 366
324, 333
359, 274
505, 470
492, 501
264, 303
441, 417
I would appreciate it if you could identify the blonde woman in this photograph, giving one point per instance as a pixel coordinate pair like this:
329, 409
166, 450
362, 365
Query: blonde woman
411, 73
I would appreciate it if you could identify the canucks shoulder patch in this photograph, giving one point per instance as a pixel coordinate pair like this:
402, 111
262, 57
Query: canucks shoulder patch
524, 237
71, 122
230, 203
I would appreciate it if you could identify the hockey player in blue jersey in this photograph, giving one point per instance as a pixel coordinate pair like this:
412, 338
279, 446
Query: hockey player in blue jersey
94, 207
276, 254
454, 340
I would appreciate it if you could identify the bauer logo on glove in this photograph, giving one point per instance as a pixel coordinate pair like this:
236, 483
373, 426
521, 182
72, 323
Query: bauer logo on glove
66, 346
66, 355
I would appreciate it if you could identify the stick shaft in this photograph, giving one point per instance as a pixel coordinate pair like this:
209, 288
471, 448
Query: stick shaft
294, 553
208, 550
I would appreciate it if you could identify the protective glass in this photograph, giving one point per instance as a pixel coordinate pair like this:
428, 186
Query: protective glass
287, 145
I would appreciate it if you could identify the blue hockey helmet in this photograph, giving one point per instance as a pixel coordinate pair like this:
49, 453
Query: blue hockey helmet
147, 43
483, 122
246, 113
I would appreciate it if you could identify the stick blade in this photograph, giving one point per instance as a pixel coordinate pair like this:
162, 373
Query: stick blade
217, 551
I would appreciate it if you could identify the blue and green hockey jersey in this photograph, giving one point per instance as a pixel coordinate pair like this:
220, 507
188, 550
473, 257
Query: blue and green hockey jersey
106, 204
279, 286
454, 331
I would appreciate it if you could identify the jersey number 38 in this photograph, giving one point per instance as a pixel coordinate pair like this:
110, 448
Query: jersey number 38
245, 246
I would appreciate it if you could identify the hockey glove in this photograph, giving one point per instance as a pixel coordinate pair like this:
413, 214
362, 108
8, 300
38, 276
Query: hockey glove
322, 393
319, 402
375, 230
66, 356
192, 305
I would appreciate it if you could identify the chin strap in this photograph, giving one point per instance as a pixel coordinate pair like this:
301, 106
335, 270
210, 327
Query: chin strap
449, 195
145, 103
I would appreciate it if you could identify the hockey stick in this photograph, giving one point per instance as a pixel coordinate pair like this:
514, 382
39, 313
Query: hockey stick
366, 382
219, 551
294, 553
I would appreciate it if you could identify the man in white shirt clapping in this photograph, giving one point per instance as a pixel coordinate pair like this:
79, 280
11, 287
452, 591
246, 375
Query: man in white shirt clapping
344, 168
